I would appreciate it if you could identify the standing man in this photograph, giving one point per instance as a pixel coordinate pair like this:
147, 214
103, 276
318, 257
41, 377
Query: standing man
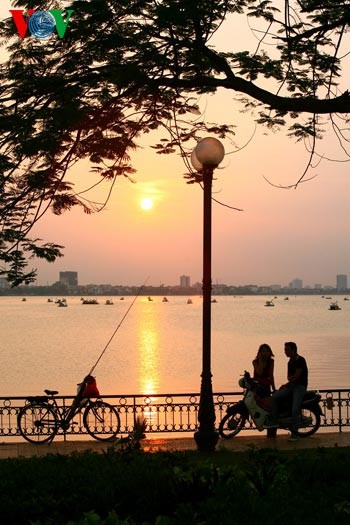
295, 388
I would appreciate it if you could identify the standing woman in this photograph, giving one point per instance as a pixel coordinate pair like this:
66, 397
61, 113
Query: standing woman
263, 370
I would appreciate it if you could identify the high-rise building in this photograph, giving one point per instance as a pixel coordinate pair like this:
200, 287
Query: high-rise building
185, 281
342, 282
296, 284
69, 278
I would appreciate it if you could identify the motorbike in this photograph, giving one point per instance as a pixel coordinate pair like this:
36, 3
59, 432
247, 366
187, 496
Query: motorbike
257, 409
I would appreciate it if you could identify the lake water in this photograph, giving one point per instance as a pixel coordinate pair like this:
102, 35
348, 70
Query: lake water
158, 348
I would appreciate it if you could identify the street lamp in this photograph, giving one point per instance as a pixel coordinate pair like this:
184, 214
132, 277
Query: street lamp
206, 156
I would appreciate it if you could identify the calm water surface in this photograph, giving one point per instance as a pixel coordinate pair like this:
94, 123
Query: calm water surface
158, 348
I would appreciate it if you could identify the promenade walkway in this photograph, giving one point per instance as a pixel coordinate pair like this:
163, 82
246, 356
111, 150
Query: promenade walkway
239, 443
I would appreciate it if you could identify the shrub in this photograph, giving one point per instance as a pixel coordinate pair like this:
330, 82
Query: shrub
134, 488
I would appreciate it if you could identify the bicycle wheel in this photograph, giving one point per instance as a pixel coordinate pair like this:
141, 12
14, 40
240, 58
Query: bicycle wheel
101, 420
37, 423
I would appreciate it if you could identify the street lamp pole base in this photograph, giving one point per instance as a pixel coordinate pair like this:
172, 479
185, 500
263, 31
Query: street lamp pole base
206, 440
206, 436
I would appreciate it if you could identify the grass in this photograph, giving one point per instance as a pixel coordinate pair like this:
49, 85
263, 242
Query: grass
134, 488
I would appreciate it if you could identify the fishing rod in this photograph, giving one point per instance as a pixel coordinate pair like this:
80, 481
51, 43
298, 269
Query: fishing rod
119, 325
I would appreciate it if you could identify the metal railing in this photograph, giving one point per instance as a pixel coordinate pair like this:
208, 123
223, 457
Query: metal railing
170, 413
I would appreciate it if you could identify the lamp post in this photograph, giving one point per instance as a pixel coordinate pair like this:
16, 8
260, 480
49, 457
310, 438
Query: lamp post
206, 156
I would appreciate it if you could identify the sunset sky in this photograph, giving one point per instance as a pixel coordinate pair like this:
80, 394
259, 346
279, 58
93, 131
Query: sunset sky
281, 234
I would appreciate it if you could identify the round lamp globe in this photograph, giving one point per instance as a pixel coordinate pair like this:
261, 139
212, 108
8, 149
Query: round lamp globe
209, 151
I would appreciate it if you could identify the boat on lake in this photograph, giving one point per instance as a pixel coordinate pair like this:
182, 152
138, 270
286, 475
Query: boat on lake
165, 300
90, 301
61, 303
269, 303
334, 306
189, 301
109, 301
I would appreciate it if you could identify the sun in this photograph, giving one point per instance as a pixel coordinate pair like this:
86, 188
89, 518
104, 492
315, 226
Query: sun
147, 203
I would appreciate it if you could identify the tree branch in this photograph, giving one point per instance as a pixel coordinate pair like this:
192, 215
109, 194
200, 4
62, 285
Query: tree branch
340, 104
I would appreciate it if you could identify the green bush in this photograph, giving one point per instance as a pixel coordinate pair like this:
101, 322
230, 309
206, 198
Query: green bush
136, 488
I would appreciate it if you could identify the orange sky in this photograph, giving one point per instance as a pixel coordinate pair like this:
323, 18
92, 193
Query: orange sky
282, 234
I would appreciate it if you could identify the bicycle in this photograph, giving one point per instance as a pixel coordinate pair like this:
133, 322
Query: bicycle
40, 419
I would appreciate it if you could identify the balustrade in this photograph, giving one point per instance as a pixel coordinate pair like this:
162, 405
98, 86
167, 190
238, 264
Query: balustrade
170, 413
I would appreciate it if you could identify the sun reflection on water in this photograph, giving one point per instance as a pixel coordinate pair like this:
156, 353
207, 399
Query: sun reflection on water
148, 346
148, 369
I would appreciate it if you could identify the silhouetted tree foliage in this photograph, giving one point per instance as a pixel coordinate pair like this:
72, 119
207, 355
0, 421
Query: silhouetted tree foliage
126, 68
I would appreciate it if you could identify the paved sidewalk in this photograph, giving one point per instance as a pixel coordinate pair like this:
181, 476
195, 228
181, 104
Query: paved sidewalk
239, 443
246, 442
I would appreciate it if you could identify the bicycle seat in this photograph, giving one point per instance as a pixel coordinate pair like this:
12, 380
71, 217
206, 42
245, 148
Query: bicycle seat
51, 392
37, 399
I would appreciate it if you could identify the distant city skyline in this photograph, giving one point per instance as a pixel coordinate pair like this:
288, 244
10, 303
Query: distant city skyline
340, 282
63, 287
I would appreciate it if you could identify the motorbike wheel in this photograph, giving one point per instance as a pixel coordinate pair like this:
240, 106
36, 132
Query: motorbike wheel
231, 424
314, 424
